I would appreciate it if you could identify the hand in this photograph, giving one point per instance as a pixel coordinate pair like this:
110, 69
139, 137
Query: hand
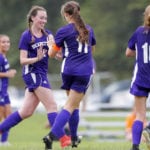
41, 53
11, 73
58, 55
50, 41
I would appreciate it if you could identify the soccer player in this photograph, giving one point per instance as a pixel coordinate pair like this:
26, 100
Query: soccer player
128, 125
76, 40
139, 46
5, 74
34, 60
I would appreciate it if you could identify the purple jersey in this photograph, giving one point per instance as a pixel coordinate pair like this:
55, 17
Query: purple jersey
140, 42
4, 67
77, 56
25, 44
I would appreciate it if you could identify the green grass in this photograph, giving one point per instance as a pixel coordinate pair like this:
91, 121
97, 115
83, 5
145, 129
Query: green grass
28, 134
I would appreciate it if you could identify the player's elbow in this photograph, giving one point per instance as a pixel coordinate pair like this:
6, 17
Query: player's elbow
129, 53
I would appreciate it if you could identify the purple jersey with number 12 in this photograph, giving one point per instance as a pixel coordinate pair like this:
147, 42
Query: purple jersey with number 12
140, 41
77, 56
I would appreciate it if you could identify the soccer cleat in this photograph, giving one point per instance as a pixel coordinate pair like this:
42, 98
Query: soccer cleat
135, 148
48, 142
65, 141
76, 141
146, 134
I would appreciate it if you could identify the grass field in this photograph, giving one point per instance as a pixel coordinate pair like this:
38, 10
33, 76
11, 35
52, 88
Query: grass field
28, 134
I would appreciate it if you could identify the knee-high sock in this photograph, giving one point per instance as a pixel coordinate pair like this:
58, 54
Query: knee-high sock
51, 118
10, 121
137, 129
4, 136
148, 126
73, 123
60, 121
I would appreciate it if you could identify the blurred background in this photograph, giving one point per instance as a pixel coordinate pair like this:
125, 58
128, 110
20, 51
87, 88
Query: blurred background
113, 22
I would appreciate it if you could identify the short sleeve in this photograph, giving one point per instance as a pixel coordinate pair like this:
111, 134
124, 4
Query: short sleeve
1, 60
132, 41
59, 37
24, 41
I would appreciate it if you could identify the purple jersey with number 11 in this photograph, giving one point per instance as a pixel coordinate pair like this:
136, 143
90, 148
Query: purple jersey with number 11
77, 56
140, 41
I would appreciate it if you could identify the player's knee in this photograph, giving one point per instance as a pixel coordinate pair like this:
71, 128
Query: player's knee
26, 114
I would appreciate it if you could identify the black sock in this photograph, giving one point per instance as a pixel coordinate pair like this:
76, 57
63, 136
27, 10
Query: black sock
135, 147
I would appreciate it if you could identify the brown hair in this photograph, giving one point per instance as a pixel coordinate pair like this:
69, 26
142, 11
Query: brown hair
147, 16
32, 13
3, 35
73, 9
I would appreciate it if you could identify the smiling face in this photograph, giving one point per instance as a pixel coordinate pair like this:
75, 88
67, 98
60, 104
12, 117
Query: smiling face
4, 43
40, 19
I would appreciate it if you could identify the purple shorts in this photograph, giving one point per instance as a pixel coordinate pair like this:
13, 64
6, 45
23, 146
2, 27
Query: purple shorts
4, 100
34, 80
77, 83
139, 90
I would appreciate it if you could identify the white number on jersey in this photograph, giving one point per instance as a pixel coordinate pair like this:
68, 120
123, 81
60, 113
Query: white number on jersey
146, 52
81, 45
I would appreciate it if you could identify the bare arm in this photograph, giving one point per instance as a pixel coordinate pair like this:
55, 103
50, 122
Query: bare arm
54, 50
24, 60
130, 53
9, 74
93, 48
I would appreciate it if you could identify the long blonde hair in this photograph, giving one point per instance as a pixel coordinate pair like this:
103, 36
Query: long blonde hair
147, 16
